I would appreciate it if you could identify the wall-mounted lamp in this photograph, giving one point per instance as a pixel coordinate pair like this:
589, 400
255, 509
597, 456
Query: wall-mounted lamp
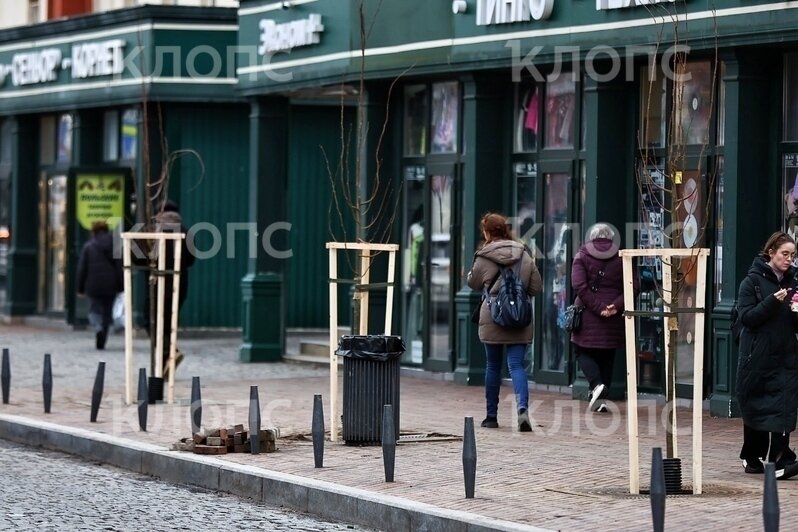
459, 6
286, 4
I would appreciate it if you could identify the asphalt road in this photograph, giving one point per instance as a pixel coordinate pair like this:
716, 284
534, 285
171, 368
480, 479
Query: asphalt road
44, 490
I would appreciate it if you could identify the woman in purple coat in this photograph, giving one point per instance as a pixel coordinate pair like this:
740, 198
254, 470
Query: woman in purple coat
597, 280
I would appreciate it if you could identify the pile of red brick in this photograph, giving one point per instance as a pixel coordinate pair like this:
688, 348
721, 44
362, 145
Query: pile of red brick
233, 439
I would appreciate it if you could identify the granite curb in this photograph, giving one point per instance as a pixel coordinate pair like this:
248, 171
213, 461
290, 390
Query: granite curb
323, 499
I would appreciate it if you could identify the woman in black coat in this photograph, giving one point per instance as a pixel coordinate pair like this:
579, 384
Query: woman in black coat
767, 371
99, 277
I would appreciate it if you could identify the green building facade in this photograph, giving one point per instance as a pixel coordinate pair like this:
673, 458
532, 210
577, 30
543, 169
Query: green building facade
548, 111
118, 94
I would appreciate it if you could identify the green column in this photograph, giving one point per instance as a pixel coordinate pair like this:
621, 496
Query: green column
745, 227
484, 182
23, 267
609, 169
263, 289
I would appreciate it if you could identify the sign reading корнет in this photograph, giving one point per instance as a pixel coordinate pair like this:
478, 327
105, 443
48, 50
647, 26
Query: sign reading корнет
99, 198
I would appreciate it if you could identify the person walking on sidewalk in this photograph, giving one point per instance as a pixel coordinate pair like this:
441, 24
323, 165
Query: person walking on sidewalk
767, 370
500, 249
597, 281
99, 277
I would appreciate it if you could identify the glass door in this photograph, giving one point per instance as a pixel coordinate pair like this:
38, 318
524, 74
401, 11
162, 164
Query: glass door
54, 243
554, 261
440, 263
413, 264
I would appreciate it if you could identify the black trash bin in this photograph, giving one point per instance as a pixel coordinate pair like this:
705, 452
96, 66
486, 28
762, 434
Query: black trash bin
371, 380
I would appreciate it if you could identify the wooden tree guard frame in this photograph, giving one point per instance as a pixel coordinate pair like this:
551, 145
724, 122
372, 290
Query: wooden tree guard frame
366, 250
698, 355
161, 239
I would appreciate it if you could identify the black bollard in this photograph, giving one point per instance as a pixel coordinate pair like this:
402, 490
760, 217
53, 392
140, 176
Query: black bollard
97, 391
195, 410
388, 442
143, 398
254, 420
469, 457
657, 491
47, 383
5, 376
770, 503
317, 430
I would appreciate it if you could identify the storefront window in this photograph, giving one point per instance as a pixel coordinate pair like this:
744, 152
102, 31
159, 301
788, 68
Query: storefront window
47, 140
111, 136
130, 134
526, 203
416, 117
65, 138
719, 232
790, 204
555, 269
693, 100
722, 107
445, 111
527, 121
560, 111
652, 98
791, 97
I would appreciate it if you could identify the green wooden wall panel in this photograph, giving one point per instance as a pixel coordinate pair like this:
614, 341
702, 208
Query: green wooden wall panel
309, 214
219, 135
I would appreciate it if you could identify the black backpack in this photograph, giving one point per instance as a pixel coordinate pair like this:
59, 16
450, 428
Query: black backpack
511, 307
736, 323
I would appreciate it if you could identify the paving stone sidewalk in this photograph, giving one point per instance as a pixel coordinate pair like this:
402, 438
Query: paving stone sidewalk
570, 473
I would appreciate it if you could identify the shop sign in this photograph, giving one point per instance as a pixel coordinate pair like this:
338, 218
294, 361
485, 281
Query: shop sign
29, 68
506, 11
97, 59
99, 198
284, 36
87, 60
620, 4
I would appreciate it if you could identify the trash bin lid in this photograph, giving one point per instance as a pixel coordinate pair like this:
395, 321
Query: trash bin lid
377, 347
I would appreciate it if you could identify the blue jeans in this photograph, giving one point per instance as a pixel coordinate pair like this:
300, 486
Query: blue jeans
493, 375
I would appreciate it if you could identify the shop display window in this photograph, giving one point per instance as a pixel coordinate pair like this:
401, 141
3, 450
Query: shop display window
527, 118
415, 120
65, 138
445, 116
560, 110
719, 179
130, 134
790, 184
791, 97
111, 136
722, 107
652, 108
693, 101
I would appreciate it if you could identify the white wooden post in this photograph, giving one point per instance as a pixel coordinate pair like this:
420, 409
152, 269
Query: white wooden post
333, 344
128, 297
698, 372
698, 356
365, 250
631, 376
161, 239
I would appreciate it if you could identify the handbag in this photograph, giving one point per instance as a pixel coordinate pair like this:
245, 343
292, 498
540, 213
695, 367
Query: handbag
573, 317
572, 320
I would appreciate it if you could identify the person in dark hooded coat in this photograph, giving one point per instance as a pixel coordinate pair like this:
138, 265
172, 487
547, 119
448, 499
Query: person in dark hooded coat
99, 277
597, 281
767, 370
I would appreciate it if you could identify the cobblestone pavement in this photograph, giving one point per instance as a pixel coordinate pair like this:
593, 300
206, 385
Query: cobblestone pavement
570, 473
95, 497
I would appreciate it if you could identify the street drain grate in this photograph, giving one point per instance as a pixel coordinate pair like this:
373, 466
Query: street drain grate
709, 491
422, 437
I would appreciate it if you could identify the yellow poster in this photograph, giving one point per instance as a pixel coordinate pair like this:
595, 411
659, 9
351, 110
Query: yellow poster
100, 197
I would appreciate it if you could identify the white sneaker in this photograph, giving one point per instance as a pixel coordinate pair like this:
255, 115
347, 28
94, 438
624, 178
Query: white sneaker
595, 395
